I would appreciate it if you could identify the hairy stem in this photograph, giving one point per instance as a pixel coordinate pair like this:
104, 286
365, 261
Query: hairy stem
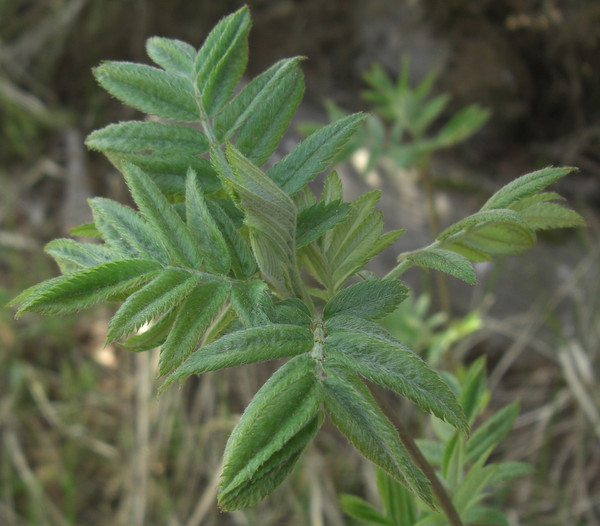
421, 462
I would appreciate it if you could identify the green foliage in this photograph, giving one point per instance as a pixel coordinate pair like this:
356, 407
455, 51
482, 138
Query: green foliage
462, 463
210, 266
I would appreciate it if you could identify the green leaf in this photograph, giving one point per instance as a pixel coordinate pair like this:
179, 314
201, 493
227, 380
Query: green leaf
473, 387
263, 130
445, 261
256, 344
511, 470
71, 255
372, 299
174, 56
545, 216
491, 432
222, 60
252, 303
358, 509
154, 336
168, 226
126, 229
149, 89
471, 253
276, 426
261, 93
485, 515
81, 289
525, 186
390, 364
271, 220
85, 230
204, 230
242, 260
461, 126
164, 292
311, 156
399, 504
356, 414
292, 311
501, 215
148, 136
471, 488
318, 218
500, 238
198, 311
332, 189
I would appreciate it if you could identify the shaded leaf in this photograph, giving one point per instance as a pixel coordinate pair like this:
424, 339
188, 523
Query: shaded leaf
167, 224
159, 296
71, 255
360, 510
491, 432
318, 218
197, 312
203, 229
252, 303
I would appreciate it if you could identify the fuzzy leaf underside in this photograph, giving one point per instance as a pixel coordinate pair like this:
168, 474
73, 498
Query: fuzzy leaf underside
278, 423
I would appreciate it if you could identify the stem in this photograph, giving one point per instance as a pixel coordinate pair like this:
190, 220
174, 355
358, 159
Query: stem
421, 462
434, 222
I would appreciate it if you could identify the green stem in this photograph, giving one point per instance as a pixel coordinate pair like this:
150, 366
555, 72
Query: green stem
421, 462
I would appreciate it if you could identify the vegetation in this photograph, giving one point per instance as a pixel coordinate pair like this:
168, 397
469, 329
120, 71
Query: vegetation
225, 263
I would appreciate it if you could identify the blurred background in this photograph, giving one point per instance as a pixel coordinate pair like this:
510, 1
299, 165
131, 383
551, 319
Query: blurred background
84, 438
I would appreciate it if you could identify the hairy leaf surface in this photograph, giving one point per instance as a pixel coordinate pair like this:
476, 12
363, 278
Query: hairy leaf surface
445, 261
149, 89
172, 55
380, 359
356, 414
372, 299
252, 345
278, 423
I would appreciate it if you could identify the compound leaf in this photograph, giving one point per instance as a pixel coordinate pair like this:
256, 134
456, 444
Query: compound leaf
154, 335
276, 426
501, 215
271, 220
